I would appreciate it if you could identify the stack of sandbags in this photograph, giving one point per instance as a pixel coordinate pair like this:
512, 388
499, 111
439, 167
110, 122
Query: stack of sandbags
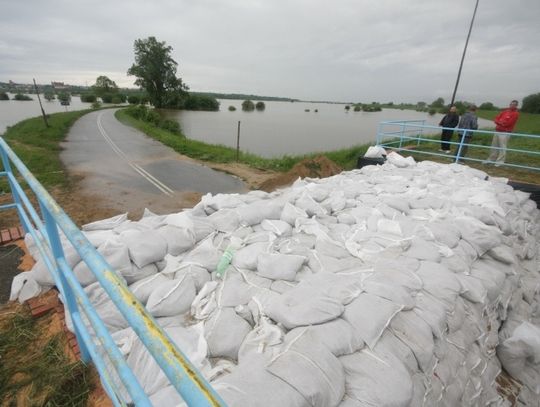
390, 285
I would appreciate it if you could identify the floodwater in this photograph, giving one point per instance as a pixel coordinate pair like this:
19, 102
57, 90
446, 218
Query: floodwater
13, 111
286, 128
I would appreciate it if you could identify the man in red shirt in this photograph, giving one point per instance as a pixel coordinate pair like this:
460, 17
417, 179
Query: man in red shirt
505, 122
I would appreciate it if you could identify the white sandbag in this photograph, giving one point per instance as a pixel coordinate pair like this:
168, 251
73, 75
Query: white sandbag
337, 335
24, 287
136, 273
144, 247
389, 291
152, 379
439, 282
205, 254
115, 254
400, 161
369, 376
278, 227
309, 367
290, 213
375, 152
167, 396
303, 305
255, 212
483, 238
226, 220
106, 224
310, 206
263, 341
172, 297
225, 331
279, 266
250, 384
142, 289
370, 315
520, 355
199, 274
107, 311
178, 239
246, 257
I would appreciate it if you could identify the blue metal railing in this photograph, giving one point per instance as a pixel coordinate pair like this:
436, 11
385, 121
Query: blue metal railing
396, 133
181, 373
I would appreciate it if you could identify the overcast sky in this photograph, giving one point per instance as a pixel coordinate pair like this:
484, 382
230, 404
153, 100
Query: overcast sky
342, 50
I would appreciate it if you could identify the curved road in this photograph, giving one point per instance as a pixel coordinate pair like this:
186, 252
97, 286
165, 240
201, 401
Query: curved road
126, 170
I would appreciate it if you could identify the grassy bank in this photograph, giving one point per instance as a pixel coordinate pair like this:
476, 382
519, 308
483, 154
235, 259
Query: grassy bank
39, 147
345, 158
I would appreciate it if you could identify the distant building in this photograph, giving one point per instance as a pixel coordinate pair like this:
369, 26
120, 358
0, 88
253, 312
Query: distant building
59, 85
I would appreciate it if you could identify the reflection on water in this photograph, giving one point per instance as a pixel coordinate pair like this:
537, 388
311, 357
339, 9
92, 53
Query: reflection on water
287, 128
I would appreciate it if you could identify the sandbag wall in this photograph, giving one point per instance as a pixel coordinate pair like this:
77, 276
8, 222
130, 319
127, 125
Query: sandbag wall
391, 285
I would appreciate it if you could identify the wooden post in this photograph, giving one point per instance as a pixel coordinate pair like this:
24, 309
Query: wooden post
40, 105
238, 143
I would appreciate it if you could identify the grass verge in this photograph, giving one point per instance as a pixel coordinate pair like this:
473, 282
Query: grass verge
41, 374
39, 147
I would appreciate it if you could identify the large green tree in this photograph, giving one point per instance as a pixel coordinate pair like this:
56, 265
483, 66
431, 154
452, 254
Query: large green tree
531, 103
155, 70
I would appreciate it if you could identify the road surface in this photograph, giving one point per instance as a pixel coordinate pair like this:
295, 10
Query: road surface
126, 170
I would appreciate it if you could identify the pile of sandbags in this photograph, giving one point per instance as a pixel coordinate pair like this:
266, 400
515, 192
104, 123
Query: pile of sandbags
393, 285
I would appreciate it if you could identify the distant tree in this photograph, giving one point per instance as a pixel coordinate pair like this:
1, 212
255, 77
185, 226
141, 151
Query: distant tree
347, 108
357, 108
104, 85
88, 98
260, 106
96, 104
107, 98
487, 106
531, 103
432, 111
4, 96
116, 99
248, 106
232, 108
21, 97
437, 103
155, 71
421, 105
64, 97
200, 102
49, 96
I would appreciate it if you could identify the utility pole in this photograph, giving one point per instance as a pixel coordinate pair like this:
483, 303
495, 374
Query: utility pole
40, 105
464, 52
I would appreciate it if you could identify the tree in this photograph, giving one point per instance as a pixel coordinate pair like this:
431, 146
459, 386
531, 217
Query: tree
156, 73
64, 98
88, 97
49, 96
487, 106
248, 105
260, 106
439, 102
21, 97
4, 96
104, 85
531, 103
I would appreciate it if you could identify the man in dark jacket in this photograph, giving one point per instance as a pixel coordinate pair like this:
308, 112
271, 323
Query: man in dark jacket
449, 122
468, 122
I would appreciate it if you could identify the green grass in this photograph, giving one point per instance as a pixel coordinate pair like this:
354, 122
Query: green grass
37, 370
39, 147
346, 158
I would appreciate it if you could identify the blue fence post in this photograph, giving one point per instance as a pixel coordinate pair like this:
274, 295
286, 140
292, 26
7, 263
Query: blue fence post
458, 155
14, 193
402, 131
58, 253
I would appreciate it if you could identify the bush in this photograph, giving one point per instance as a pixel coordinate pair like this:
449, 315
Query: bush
347, 108
145, 114
107, 98
88, 97
49, 96
432, 111
116, 99
232, 109
20, 96
133, 99
357, 108
170, 125
152, 117
200, 102
248, 106
64, 97
487, 106
4, 96
260, 106
137, 112
96, 105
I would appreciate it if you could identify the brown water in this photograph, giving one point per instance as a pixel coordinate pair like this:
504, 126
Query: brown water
285, 128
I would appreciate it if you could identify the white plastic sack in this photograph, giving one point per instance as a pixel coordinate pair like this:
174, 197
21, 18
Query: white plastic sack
172, 297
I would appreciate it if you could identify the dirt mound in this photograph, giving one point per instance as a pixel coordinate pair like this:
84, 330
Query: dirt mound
318, 167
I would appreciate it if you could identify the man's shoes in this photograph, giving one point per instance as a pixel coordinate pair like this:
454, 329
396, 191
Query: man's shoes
442, 151
447, 151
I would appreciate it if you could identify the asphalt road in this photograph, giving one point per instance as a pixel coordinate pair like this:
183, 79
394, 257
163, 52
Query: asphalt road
125, 169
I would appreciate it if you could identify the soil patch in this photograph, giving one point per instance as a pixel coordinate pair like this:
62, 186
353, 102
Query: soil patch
10, 258
318, 167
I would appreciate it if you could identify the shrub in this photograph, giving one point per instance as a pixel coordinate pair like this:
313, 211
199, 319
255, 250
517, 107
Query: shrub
4, 96
49, 96
170, 125
107, 98
20, 96
432, 111
133, 99
248, 105
200, 102
232, 109
531, 103
88, 97
357, 108
152, 117
116, 99
138, 111
260, 106
347, 108
64, 97
96, 105
487, 106
143, 113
